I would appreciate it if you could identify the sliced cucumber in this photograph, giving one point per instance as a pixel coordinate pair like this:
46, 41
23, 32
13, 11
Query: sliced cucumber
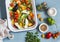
24, 16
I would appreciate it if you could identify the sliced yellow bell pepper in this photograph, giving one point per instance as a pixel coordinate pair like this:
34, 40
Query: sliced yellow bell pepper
23, 7
30, 24
12, 21
21, 24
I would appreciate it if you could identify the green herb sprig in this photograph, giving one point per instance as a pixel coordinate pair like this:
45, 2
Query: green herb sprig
32, 37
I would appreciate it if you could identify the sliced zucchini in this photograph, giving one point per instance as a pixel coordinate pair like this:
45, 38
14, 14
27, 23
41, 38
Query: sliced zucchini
26, 23
25, 11
16, 24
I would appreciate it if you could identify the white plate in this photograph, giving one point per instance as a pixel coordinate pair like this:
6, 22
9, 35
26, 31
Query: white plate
9, 20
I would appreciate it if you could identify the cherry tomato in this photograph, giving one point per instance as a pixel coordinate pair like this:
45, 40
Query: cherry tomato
11, 13
29, 17
26, 0
32, 15
15, 20
48, 35
28, 8
15, 12
16, 16
58, 33
15, 0
12, 4
22, 1
19, 3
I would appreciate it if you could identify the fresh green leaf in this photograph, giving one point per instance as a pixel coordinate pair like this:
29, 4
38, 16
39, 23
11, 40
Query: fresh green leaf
31, 37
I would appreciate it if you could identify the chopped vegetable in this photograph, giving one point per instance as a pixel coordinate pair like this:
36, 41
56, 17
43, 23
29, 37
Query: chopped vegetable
15, 8
17, 25
54, 36
16, 0
12, 4
32, 15
22, 1
18, 11
24, 16
29, 17
19, 3
30, 24
41, 19
26, 1
38, 16
12, 21
25, 11
28, 8
10, 8
21, 24
23, 7
26, 23
11, 13
21, 13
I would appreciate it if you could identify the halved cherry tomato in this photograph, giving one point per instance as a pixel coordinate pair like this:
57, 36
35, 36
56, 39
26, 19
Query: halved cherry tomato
32, 15
22, 1
11, 13
19, 3
28, 8
16, 15
15, 20
26, 0
15, 0
12, 4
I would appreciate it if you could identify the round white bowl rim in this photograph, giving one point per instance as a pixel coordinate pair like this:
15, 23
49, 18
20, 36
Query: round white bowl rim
41, 30
54, 10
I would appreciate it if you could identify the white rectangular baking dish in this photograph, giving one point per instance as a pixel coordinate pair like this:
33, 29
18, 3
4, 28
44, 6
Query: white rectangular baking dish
9, 20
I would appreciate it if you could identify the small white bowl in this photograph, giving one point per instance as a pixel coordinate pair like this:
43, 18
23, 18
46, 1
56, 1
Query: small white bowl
40, 27
52, 11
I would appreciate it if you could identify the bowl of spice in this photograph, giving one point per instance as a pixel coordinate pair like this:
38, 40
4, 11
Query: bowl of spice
43, 27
